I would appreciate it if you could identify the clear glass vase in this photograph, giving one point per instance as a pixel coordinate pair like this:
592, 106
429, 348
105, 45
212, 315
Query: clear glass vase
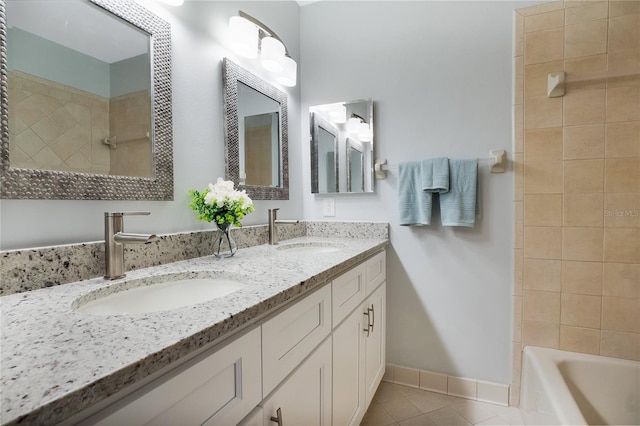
223, 244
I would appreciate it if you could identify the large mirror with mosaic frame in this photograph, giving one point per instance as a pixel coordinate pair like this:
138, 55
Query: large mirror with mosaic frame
255, 133
88, 120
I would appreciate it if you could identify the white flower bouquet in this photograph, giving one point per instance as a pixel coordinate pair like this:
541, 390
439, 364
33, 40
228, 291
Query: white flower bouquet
220, 203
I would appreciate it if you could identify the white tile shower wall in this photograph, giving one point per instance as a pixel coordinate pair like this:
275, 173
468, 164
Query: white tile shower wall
494, 393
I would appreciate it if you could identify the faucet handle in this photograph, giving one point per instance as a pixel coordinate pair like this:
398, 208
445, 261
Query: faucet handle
120, 214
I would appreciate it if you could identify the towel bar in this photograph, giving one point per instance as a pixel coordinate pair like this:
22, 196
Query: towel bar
498, 161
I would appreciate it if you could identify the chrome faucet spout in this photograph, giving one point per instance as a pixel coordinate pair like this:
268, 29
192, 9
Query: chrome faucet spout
273, 229
123, 238
114, 240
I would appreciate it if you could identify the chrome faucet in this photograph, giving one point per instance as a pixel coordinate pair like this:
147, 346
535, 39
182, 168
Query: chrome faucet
273, 229
115, 239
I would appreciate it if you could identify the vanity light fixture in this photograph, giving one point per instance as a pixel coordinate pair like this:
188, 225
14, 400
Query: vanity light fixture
359, 127
338, 113
251, 36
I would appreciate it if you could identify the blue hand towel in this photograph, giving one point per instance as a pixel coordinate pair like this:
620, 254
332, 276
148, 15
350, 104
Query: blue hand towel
435, 175
458, 206
414, 203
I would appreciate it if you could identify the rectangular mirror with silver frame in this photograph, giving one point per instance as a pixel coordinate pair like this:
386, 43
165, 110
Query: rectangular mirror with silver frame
325, 155
348, 126
256, 134
86, 101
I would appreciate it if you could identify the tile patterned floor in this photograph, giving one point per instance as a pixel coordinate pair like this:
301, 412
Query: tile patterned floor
399, 405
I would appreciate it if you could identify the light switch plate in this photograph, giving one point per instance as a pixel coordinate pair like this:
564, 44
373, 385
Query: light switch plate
329, 207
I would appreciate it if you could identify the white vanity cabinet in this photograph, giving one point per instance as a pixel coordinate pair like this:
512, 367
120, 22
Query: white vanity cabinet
304, 398
291, 335
374, 342
219, 386
359, 340
317, 361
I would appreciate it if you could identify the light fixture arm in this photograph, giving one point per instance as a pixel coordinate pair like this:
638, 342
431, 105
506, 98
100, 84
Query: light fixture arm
264, 29
354, 115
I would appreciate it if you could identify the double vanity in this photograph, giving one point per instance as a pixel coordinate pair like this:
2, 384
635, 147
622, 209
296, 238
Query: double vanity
278, 334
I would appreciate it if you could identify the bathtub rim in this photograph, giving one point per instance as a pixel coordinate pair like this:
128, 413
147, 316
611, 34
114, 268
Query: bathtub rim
546, 359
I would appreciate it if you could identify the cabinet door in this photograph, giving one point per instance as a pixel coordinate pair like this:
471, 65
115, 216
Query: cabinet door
304, 398
221, 386
254, 418
376, 270
348, 370
375, 306
291, 336
347, 293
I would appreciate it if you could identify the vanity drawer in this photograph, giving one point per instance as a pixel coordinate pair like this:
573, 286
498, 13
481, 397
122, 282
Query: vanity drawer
292, 334
216, 388
376, 271
348, 292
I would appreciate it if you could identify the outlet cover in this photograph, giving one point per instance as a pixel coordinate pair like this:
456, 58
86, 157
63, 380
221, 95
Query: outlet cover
329, 207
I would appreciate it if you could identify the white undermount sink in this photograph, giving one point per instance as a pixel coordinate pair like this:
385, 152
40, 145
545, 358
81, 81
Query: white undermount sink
164, 295
310, 247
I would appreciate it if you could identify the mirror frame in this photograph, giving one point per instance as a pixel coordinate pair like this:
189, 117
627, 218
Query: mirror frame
18, 183
351, 146
317, 122
232, 74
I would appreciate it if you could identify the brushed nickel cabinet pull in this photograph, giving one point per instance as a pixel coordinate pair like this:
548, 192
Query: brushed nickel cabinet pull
368, 327
373, 317
278, 418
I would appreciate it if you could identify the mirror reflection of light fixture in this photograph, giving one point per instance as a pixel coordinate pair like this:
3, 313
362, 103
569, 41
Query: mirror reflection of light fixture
338, 113
250, 36
359, 127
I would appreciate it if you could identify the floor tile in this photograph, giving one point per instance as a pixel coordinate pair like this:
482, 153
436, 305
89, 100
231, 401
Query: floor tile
426, 401
474, 411
401, 409
421, 420
398, 405
388, 392
447, 416
376, 416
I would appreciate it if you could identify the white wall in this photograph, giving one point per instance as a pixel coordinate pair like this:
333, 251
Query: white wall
440, 75
199, 37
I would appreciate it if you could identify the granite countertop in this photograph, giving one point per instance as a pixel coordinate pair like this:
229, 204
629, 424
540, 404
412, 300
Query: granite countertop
57, 361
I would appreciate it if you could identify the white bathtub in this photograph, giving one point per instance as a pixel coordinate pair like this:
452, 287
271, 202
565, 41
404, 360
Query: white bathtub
569, 388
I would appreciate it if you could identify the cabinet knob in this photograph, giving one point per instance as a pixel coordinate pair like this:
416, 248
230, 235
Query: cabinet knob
278, 418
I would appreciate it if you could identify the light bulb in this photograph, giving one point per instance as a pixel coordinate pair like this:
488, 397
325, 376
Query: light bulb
289, 72
364, 133
244, 36
338, 113
272, 54
353, 125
